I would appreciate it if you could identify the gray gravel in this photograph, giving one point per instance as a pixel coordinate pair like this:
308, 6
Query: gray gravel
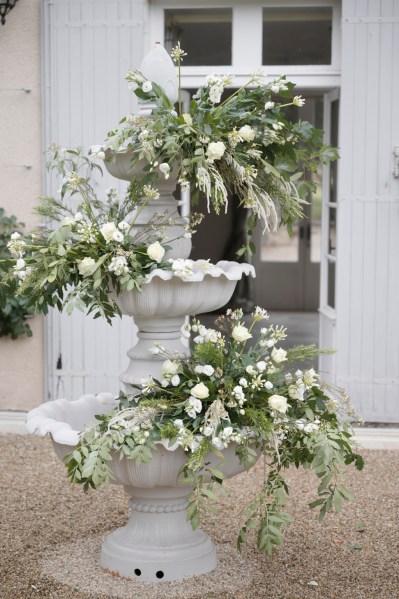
51, 535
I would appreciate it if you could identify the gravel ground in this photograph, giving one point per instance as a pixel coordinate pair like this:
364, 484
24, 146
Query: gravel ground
52, 533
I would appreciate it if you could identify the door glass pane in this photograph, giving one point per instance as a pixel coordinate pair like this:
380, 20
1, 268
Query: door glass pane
332, 231
297, 35
205, 34
315, 217
334, 142
331, 284
279, 246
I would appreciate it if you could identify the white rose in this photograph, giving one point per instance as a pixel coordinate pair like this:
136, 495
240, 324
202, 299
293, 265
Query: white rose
15, 235
269, 385
296, 391
123, 226
155, 251
118, 236
240, 333
107, 231
175, 380
261, 365
279, 355
215, 150
215, 93
147, 86
279, 403
200, 391
247, 133
209, 370
86, 267
170, 367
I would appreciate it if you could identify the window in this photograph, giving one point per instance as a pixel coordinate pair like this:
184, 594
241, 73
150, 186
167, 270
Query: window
205, 34
297, 36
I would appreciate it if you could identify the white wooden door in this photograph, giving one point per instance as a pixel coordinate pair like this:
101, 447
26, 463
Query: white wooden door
88, 46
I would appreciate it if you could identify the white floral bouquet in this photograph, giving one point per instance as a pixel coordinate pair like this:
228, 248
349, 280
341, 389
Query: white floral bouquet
89, 248
243, 144
228, 393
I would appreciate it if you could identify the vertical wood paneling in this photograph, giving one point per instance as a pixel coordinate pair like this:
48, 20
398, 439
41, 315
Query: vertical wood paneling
368, 273
94, 43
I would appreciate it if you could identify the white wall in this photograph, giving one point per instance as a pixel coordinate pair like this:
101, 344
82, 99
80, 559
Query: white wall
368, 213
21, 361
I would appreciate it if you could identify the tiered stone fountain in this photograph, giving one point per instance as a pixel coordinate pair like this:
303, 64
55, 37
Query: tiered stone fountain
158, 542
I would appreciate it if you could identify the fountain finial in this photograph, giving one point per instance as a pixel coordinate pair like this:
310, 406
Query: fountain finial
158, 66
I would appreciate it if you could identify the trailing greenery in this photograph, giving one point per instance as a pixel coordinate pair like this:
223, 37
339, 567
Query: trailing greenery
13, 310
228, 393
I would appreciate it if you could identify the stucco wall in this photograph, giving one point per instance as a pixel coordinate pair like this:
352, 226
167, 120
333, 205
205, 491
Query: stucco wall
21, 361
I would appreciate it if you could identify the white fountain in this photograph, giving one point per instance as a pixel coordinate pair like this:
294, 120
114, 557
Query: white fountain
158, 542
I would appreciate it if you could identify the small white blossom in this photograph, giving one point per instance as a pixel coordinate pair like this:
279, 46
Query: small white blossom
118, 265
208, 370
243, 382
165, 169
118, 236
79, 216
175, 380
123, 226
298, 101
107, 231
147, 86
269, 105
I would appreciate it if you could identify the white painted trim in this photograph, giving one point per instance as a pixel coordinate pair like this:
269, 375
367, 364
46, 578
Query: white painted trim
369, 438
13, 422
378, 438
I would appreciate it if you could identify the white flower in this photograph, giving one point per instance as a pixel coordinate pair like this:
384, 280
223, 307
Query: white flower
247, 133
208, 370
218, 443
107, 231
243, 382
269, 105
178, 424
279, 403
165, 169
310, 377
86, 267
215, 93
269, 385
193, 406
118, 236
215, 150
199, 369
123, 226
296, 391
170, 367
15, 235
154, 350
250, 369
298, 101
175, 380
79, 216
200, 391
118, 265
278, 355
147, 86
155, 251
187, 118
21, 264
312, 427
261, 365
208, 430
240, 333
186, 331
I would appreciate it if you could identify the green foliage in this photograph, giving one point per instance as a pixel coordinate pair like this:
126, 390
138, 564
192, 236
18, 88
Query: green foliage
250, 399
13, 309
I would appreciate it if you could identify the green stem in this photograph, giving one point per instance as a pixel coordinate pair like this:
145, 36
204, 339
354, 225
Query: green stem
179, 83
235, 93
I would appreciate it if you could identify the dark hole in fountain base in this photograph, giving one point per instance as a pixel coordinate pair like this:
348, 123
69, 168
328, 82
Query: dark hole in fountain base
137, 572
159, 574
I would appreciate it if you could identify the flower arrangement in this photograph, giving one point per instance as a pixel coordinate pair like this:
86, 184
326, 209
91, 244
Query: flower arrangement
91, 248
244, 144
228, 393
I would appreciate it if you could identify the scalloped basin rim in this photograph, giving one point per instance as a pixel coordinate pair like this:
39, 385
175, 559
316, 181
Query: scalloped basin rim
233, 271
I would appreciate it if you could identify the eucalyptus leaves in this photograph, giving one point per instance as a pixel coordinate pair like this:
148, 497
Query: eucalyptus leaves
228, 393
